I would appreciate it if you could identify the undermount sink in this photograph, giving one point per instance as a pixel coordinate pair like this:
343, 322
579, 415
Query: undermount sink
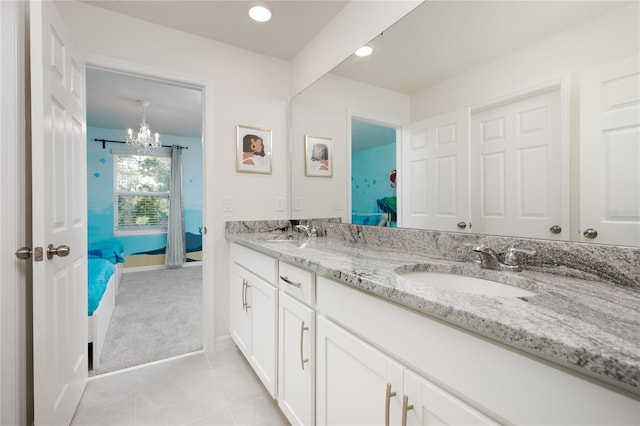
287, 239
465, 284
281, 238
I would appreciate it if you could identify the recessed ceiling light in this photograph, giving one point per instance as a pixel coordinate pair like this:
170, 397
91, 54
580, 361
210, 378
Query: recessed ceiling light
260, 13
364, 51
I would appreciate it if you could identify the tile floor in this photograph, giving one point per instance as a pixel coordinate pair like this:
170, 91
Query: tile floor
206, 388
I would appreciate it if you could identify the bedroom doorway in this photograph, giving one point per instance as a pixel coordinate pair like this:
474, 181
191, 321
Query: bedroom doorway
373, 166
158, 312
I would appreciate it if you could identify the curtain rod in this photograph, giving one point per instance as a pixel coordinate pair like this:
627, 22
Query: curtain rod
104, 141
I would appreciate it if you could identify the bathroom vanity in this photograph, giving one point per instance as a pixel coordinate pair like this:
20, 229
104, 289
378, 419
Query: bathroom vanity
345, 329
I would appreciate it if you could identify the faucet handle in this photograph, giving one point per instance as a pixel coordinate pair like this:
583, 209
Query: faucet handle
511, 256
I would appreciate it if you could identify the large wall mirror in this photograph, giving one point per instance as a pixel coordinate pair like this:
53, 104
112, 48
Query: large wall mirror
502, 117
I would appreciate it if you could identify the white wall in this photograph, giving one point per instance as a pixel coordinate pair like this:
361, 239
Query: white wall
322, 110
242, 88
596, 42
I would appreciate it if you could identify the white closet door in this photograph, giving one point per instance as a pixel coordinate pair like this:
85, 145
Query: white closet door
515, 164
434, 173
610, 153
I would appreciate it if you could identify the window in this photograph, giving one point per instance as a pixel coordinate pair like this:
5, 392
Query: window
141, 193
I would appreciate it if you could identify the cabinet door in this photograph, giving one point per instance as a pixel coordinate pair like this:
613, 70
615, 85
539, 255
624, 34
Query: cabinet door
296, 363
262, 304
434, 406
355, 381
240, 325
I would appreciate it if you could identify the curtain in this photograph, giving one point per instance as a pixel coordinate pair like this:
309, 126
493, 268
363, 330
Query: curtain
176, 251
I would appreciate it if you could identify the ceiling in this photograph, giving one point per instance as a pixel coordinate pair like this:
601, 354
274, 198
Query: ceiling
112, 97
439, 39
293, 24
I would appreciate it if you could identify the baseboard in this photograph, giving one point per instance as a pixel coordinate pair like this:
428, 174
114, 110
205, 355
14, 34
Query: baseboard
157, 267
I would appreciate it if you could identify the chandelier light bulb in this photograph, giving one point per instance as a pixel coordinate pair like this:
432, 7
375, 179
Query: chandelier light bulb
143, 143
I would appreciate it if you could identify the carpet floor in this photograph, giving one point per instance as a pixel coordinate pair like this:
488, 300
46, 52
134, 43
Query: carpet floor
158, 315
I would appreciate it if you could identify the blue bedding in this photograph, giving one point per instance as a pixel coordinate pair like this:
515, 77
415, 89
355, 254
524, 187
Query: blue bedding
110, 250
100, 271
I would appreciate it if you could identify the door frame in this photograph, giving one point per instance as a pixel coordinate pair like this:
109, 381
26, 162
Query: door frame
208, 247
375, 119
16, 396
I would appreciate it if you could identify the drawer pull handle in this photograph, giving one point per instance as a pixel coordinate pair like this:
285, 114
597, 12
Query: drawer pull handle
405, 408
288, 281
245, 285
302, 358
387, 405
244, 295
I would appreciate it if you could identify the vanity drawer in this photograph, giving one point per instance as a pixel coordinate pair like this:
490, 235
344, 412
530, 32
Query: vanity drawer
260, 264
298, 282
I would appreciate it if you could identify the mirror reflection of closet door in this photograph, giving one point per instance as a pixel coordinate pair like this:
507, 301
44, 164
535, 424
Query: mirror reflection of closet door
610, 154
433, 179
516, 167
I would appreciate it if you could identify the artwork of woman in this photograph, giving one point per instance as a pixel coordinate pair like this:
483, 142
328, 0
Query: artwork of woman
252, 150
320, 157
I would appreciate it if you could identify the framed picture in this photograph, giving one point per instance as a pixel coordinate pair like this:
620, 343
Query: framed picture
253, 150
317, 156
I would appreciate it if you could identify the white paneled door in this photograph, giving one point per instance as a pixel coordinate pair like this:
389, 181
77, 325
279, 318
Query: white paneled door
434, 178
516, 164
59, 218
610, 154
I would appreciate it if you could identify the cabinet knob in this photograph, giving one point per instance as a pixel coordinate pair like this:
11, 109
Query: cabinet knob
461, 225
590, 233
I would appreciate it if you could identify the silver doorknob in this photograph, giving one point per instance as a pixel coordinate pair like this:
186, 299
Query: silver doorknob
555, 229
590, 233
23, 253
61, 251
461, 225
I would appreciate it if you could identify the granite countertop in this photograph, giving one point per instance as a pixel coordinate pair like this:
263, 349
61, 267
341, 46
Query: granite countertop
589, 325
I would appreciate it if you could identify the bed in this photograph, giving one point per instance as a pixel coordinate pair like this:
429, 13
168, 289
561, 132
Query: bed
104, 267
111, 250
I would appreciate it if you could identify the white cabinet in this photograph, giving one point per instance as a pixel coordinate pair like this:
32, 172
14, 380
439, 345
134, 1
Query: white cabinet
296, 361
432, 405
296, 355
468, 376
254, 313
240, 321
360, 385
355, 381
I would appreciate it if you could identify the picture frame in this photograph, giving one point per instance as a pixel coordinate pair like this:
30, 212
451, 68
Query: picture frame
253, 149
318, 156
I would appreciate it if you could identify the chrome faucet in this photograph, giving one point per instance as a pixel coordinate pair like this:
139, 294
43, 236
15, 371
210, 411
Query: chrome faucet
310, 231
490, 259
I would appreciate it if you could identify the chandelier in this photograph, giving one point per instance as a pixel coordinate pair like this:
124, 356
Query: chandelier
143, 142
